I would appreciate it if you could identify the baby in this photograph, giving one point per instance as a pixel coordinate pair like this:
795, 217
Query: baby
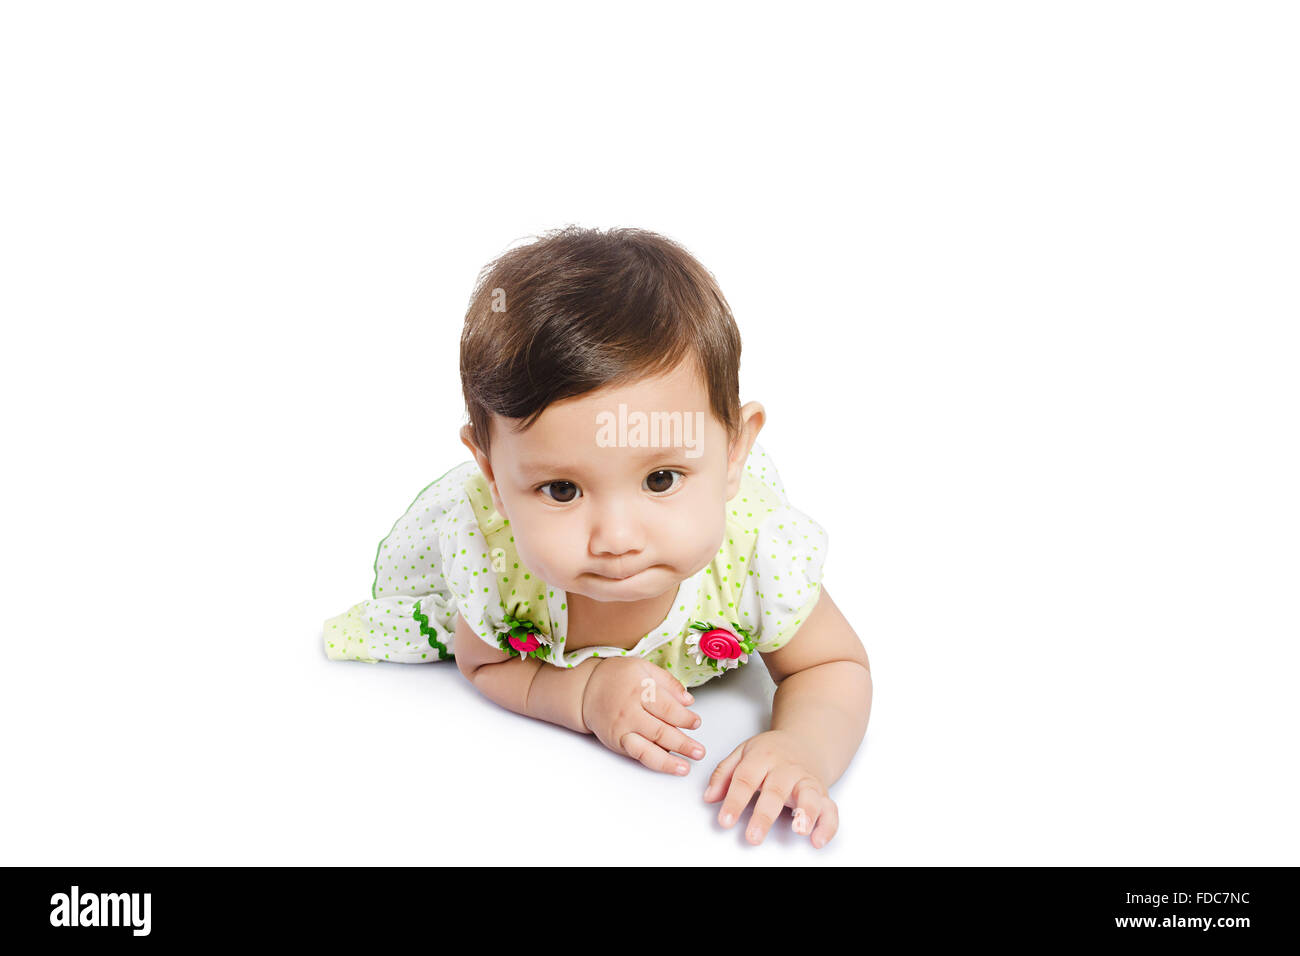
620, 535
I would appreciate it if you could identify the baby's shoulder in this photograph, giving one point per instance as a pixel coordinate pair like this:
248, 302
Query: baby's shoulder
449, 491
773, 573
424, 531
760, 469
759, 502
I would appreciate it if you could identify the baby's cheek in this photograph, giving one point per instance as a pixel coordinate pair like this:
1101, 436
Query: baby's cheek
699, 532
557, 553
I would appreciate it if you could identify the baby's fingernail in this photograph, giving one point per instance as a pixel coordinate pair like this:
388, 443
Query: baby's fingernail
680, 768
698, 752
727, 820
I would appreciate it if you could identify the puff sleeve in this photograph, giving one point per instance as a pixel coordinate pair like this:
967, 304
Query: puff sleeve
784, 578
431, 566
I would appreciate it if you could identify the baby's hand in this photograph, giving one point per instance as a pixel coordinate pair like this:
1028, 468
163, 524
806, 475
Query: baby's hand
635, 707
773, 761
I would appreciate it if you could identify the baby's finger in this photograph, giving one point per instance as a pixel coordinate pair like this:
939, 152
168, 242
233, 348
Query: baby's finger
722, 775
745, 779
652, 756
827, 825
669, 709
676, 688
771, 801
667, 737
808, 805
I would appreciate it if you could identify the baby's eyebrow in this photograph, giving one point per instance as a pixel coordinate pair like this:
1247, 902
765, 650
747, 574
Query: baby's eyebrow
642, 455
530, 469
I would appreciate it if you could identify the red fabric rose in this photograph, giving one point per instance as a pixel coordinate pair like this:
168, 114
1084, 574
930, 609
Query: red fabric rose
720, 644
524, 647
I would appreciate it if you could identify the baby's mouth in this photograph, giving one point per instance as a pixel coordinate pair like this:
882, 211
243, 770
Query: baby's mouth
620, 577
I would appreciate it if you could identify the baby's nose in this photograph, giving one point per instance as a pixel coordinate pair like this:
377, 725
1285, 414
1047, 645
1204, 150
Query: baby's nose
616, 532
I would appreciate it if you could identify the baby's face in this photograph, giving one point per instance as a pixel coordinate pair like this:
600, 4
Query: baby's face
595, 511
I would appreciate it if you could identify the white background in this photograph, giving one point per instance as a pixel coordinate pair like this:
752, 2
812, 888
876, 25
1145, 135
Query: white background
1018, 288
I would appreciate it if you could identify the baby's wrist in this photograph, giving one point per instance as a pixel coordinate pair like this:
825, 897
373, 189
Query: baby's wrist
594, 662
558, 695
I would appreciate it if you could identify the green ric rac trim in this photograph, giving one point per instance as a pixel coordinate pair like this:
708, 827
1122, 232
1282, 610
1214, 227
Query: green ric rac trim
431, 634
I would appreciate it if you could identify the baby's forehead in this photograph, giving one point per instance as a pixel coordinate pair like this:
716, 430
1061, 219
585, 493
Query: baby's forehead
610, 438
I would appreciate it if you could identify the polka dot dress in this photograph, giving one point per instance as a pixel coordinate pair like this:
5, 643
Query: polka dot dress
452, 553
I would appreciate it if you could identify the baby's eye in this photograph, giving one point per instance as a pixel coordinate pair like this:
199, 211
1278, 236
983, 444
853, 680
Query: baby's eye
561, 491
662, 481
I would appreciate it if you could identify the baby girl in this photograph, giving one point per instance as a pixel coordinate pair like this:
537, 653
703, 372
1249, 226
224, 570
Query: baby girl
620, 535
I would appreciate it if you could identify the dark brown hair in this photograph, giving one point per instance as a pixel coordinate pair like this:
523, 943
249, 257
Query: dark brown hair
584, 309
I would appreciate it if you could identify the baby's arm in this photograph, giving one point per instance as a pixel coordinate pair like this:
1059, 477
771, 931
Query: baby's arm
633, 707
823, 694
524, 685
819, 717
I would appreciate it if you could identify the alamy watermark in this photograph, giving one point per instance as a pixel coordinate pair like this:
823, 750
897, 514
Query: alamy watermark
622, 429
101, 909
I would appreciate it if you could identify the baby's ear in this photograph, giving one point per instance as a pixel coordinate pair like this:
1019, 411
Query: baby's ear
752, 417
467, 439
484, 465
